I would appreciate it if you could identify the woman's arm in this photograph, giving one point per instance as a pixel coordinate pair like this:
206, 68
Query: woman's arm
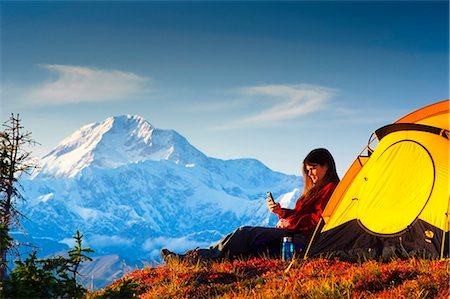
277, 209
308, 215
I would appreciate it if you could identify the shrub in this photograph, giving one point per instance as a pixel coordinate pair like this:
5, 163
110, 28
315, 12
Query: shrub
55, 277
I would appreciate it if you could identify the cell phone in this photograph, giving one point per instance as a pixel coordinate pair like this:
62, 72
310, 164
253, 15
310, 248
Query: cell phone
269, 195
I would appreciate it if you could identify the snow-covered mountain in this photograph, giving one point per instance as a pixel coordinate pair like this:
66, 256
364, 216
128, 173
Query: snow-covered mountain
132, 189
115, 142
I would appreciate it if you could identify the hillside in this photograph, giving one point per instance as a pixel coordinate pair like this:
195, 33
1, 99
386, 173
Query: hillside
268, 278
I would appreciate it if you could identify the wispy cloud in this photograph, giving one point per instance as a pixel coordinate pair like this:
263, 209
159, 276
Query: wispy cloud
275, 104
76, 84
289, 101
101, 241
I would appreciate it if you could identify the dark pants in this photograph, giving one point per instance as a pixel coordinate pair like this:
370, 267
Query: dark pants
253, 241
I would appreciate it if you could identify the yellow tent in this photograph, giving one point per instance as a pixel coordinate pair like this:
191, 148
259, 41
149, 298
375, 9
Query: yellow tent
394, 199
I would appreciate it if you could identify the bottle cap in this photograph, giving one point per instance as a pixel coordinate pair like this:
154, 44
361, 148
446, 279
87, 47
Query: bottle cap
287, 239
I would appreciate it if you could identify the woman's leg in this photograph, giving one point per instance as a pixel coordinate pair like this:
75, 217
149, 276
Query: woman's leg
244, 241
250, 240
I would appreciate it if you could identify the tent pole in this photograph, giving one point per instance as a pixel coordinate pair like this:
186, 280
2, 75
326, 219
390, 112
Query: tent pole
312, 239
443, 237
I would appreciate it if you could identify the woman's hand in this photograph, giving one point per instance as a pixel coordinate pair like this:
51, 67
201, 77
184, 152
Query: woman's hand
273, 207
283, 223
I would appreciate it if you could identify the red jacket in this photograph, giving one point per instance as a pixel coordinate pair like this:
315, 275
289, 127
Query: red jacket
307, 211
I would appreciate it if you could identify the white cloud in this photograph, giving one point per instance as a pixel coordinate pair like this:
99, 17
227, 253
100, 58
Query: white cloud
288, 101
275, 104
75, 84
102, 241
69, 242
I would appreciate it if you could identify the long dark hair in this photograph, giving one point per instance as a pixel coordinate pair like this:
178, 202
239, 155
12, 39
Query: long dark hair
322, 157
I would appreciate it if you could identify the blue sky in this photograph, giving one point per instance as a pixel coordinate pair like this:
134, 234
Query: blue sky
266, 80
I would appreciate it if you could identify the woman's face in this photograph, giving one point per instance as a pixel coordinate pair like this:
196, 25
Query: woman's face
316, 172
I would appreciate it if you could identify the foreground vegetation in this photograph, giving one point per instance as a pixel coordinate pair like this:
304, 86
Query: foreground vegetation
53, 277
269, 278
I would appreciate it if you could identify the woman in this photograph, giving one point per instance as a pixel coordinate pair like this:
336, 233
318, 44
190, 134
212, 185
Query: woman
320, 180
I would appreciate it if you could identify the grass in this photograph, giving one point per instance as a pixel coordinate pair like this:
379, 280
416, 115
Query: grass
270, 278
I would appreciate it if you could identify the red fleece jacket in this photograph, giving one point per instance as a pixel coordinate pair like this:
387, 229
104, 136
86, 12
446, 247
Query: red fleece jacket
307, 211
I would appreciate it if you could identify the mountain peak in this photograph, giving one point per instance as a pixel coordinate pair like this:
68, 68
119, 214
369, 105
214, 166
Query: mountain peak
127, 120
116, 141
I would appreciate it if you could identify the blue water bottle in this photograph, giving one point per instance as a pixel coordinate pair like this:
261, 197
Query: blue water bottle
287, 249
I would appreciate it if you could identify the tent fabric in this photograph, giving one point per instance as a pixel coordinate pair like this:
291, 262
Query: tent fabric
435, 115
351, 242
394, 199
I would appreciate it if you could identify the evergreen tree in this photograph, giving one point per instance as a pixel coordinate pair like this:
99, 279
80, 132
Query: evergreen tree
14, 160
54, 277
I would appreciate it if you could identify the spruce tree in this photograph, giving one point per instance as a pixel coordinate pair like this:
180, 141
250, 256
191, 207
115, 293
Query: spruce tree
14, 161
